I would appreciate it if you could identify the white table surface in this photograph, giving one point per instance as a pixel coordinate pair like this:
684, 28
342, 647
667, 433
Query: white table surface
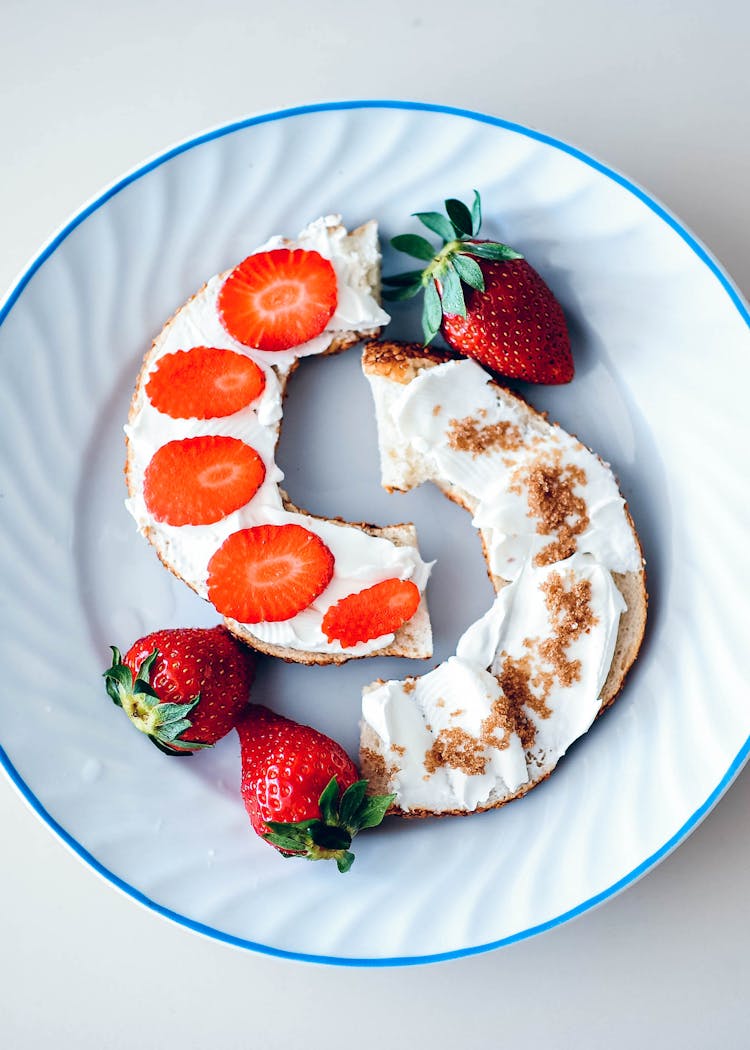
658, 89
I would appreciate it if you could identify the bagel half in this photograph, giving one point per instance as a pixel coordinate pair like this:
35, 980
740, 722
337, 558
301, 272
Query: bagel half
385, 759
185, 550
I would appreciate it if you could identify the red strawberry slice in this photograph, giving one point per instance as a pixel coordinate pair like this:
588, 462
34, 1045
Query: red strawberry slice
200, 480
268, 573
204, 383
278, 299
371, 613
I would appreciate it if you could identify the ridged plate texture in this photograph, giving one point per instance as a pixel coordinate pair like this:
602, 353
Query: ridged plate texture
663, 368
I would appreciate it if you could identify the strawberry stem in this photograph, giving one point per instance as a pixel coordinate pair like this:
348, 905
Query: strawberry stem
449, 268
163, 723
330, 836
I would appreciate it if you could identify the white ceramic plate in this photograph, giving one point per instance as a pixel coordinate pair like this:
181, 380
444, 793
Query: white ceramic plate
657, 329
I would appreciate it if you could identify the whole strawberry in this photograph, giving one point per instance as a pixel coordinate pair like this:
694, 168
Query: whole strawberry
185, 687
490, 303
301, 789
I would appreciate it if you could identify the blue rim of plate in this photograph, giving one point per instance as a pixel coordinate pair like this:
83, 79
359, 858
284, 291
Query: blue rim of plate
428, 107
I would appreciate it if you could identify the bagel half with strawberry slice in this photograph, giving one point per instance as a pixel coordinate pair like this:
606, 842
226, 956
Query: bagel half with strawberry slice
203, 483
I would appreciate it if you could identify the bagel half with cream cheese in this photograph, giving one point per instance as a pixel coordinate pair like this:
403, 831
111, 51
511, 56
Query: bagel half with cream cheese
563, 555
363, 555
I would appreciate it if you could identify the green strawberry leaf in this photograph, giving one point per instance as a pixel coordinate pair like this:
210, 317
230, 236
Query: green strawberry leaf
351, 801
344, 862
193, 745
169, 732
374, 809
460, 216
404, 278
287, 841
437, 223
168, 750
496, 252
469, 272
310, 837
118, 681
144, 689
144, 671
407, 291
329, 802
168, 713
453, 296
163, 723
329, 838
476, 213
412, 244
119, 673
113, 693
432, 313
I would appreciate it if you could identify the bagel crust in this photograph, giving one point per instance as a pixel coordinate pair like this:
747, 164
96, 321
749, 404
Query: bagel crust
400, 364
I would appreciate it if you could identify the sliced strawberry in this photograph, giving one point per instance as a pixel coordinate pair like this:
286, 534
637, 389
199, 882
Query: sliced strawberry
268, 573
278, 299
204, 383
200, 480
371, 613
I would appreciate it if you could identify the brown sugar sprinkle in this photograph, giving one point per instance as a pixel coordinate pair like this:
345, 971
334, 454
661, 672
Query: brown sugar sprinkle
457, 749
436, 410
459, 711
572, 616
440, 702
398, 749
467, 435
566, 671
515, 682
409, 685
525, 686
543, 681
553, 502
570, 609
499, 720
380, 771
